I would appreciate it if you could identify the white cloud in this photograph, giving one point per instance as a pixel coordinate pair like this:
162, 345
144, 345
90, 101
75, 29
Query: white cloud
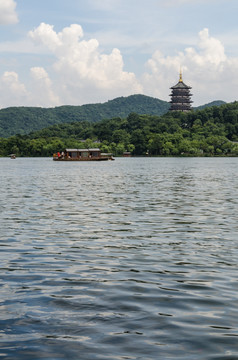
79, 72
38, 93
45, 35
205, 67
42, 93
13, 92
84, 72
212, 51
8, 13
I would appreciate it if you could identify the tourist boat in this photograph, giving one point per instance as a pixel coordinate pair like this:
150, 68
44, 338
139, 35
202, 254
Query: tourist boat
82, 155
12, 156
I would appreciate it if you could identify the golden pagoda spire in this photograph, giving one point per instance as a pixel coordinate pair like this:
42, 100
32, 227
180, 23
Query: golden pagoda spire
180, 76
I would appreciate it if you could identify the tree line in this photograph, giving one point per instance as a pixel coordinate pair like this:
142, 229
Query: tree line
212, 131
22, 120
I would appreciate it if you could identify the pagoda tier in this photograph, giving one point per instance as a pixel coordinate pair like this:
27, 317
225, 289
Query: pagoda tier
180, 96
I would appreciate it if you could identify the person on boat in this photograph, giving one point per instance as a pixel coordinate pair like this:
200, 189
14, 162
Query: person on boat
58, 153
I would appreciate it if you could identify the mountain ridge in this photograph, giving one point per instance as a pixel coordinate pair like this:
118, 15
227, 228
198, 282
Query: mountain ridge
23, 120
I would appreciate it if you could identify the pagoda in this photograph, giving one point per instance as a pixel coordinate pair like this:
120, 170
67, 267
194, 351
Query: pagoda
180, 96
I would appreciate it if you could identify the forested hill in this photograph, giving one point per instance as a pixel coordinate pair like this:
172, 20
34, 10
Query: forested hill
212, 131
213, 103
23, 120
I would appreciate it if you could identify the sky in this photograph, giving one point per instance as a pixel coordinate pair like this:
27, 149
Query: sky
75, 52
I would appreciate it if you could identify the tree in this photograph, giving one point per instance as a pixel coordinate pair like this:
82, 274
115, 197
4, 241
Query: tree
120, 148
130, 148
138, 139
155, 144
15, 150
121, 136
168, 148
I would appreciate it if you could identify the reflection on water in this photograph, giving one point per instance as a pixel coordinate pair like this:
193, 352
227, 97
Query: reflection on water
131, 259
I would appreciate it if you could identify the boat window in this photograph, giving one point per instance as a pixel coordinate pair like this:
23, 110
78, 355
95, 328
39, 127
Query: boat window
95, 153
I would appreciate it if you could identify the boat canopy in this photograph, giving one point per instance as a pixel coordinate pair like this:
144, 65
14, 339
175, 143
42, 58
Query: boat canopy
82, 150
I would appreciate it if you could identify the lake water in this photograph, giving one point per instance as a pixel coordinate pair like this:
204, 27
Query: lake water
135, 258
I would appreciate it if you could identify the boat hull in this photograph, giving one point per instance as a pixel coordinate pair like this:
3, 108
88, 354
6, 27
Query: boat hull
86, 159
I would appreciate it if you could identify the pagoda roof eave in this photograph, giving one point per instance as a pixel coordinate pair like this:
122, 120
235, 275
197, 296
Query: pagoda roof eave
181, 85
175, 101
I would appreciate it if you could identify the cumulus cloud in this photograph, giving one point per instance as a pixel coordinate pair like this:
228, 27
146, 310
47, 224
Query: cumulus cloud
8, 13
13, 92
205, 67
83, 72
37, 93
42, 93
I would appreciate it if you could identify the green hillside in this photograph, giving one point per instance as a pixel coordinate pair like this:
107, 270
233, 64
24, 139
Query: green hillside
212, 131
213, 103
23, 120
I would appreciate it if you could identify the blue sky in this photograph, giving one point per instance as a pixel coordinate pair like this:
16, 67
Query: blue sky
74, 52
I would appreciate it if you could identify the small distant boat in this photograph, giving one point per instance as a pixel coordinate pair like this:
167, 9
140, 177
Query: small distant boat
82, 155
12, 156
127, 154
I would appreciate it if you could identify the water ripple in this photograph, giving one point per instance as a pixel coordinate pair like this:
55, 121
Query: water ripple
132, 259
